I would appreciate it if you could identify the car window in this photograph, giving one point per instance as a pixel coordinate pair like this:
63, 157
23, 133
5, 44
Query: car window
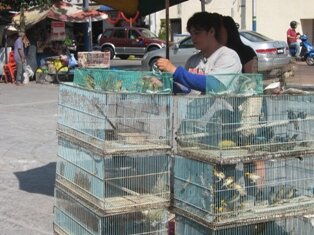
107, 33
148, 34
186, 43
133, 34
254, 37
119, 33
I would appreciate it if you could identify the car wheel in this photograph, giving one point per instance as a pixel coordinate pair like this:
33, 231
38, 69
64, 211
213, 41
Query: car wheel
152, 62
152, 48
123, 57
310, 60
110, 49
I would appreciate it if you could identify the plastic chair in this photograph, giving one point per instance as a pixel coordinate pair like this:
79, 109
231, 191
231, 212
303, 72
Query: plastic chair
9, 69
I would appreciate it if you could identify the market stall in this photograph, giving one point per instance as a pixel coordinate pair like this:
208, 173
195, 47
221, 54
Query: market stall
50, 29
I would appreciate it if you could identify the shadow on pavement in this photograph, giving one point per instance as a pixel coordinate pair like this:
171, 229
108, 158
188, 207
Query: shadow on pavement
38, 180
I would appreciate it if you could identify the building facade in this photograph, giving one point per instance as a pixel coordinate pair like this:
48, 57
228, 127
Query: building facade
272, 16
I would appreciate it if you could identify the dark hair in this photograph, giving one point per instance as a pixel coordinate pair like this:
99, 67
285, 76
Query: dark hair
233, 38
205, 21
293, 24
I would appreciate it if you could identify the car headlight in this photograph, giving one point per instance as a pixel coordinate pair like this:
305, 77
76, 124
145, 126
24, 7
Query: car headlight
163, 45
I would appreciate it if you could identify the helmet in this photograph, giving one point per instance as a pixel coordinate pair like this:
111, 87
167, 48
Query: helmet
293, 24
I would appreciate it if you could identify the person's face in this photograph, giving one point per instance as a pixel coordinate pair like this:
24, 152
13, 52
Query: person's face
200, 38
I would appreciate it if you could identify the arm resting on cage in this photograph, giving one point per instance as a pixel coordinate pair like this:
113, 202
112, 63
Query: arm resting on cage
195, 81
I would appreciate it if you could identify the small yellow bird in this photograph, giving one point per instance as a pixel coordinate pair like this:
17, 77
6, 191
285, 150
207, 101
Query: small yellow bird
90, 83
227, 182
118, 85
239, 188
252, 176
222, 208
220, 175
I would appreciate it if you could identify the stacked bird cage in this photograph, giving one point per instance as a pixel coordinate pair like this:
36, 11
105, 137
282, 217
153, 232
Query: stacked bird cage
227, 127
280, 226
233, 161
73, 216
241, 160
123, 81
113, 169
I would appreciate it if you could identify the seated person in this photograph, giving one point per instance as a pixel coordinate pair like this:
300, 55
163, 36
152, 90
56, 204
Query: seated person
213, 57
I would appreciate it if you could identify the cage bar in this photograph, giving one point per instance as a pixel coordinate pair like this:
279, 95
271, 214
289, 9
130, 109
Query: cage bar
282, 226
239, 193
123, 81
235, 83
73, 217
229, 127
114, 182
115, 121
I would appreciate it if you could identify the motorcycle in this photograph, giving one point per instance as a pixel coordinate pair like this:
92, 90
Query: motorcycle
307, 50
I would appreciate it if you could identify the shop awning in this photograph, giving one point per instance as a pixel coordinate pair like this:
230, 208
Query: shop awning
32, 16
61, 11
71, 13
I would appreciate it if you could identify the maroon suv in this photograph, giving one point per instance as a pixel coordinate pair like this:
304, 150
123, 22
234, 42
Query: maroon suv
125, 41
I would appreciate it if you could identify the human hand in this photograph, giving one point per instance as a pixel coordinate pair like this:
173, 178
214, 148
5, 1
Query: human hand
165, 65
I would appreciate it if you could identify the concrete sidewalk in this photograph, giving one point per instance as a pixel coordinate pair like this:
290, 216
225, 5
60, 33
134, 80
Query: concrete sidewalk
303, 78
28, 154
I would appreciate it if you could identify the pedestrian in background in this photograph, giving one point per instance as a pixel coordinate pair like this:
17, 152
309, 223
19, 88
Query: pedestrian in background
230, 37
292, 38
19, 56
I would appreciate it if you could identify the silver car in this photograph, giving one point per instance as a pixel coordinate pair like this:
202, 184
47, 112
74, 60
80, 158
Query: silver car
271, 54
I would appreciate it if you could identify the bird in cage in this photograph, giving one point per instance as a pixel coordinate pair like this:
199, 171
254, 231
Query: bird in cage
227, 182
90, 83
280, 193
272, 196
291, 192
220, 175
186, 184
251, 176
241, 190
293, 118
301, 115
151, 84
118, 85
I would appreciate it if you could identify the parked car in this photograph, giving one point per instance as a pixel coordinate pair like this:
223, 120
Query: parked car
271, 54
125, 41
178, 53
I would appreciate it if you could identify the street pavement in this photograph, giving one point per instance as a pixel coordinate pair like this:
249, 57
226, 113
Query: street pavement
303, 78
28, 153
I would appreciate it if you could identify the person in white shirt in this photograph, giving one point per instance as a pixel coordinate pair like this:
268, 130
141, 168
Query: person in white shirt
213, 58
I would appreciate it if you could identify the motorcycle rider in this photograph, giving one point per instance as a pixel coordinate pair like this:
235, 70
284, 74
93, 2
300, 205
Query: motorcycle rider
292, 38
